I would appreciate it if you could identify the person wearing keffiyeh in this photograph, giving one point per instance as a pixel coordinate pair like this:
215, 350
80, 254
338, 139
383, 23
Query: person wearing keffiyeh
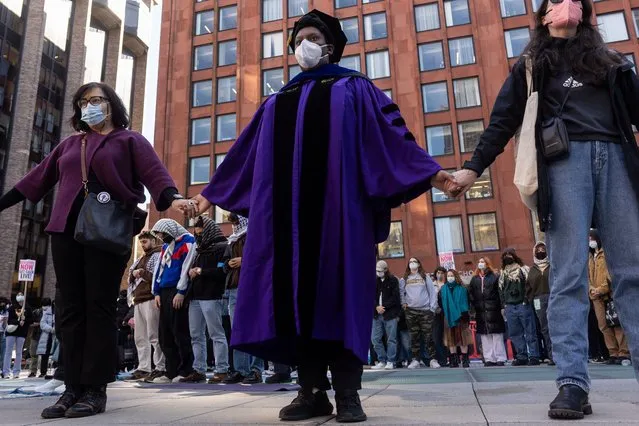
538, 292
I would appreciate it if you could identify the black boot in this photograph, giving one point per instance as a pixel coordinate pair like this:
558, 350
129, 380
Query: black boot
70, 396
571, 404
465, 361
454, 361
306, 406
91, 403
349, 407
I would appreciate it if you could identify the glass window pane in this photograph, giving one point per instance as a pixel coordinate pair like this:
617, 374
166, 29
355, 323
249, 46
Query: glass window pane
221, 216
225, 127
393, 247
457, 12
539, 236
226, 91
512, 8
203, 57
612, 27
462, 51
227, 53
297, 7
483, 231
482, 188
293, 70
439, 140
449, 235
635, 19
440, 197
370, 1
388, 93
427, 17
516, 41
536, 4
273, 81
435, 97
631, 58
351, 62
466, 92
202, 93
469, 134
204, 22
200, 170
375, 26
378, 64
271, 10
351, 29
431, 56
218, 160
228, 18
344, 3
201, 131
272, 45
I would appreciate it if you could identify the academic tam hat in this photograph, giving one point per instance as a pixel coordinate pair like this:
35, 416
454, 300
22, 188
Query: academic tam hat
328, 25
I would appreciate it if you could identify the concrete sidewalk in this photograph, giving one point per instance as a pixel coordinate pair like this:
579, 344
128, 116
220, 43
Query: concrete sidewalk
428, 397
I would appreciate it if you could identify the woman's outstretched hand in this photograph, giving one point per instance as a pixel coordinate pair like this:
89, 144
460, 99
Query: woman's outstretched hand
465, 178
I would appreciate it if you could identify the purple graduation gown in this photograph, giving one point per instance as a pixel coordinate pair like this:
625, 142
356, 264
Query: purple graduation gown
317, 171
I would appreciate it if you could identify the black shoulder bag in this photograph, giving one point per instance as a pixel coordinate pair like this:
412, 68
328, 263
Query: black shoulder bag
554, 135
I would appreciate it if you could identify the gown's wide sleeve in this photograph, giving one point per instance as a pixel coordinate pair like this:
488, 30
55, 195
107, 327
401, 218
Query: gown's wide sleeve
394, 169
230, 187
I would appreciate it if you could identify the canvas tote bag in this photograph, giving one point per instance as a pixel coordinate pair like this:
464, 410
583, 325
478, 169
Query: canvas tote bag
525, 147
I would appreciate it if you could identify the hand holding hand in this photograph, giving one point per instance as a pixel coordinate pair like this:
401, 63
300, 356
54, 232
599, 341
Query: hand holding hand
446, 183
465, 179
178, 301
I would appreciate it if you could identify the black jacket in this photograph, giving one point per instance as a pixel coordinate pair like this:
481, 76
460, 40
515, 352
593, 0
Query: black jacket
537, 283
211, 284
389, 289
487, 304
22, 330
508, 114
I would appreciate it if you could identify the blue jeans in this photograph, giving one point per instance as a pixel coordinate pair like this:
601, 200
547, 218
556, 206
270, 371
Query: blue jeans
522, 330
243, 363
3, 344
591, 185
390, 326
203, 315
404, 346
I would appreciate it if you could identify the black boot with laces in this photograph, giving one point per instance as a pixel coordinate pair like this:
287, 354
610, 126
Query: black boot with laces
349, 407
306, 406
70, 396
91, 403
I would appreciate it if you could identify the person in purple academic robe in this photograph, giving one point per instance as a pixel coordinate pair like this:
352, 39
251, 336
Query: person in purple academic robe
317, 172
119, 163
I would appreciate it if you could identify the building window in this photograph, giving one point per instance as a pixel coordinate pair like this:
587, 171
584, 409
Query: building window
351, 29
466, 92
512, 8
449, 234
204, 22
635, 20
272, 81
227, 54
539, 235
218, 160
201, 131
200, 170
226, 91
221, 216
202, 93
435, 97
469, 134
293, 70
272, 45
297, 7
439, 140
483, 232
482, 188
225, 127
536, 4
375, 26
457, 12
393, 247
631, 58
370, 1
228, 18
378, 64
612, 27
351, 62
388, 93
439, 196
516, 41
203, 57
431, 56
427, 17
462, 51
344, 3
271, 10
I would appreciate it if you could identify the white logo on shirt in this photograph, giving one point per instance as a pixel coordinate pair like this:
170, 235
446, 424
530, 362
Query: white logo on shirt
572, 82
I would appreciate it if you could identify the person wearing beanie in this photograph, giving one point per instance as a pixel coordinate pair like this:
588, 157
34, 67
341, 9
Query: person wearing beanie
388, 306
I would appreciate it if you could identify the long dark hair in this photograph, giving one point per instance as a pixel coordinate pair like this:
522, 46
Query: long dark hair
119, 115
587, 54
513, 253
420, 271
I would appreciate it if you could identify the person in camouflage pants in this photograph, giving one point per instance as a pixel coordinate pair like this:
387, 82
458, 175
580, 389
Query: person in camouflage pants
420, 326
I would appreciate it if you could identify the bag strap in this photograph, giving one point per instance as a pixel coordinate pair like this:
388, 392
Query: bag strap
561, 109
83, 163
529, 75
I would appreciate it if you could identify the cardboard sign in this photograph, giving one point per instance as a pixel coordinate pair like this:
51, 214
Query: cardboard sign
26, 271
447, 260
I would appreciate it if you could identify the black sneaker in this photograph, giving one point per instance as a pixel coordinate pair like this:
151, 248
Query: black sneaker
278, 378
254, 378
490, 364
349, 407
519, 362
500, 364
612, 361
534, 362
155, 375
570, 404
70, 396
306, 406
91, 403
32, 375
233, 379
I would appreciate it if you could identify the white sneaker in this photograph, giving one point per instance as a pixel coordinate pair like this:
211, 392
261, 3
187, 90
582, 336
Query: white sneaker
177, 379
163, 380
379, 366
49, 386
413, 365
421, 364
434, 364
390, 366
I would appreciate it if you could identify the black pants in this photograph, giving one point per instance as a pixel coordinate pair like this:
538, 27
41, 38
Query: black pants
175, 337
87, 291
58, 374
282, 369
441, 350
346, 368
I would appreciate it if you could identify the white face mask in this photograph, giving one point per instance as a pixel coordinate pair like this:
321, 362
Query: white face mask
481, 266
593, 244
451, 279
309, 54
381, 274
414, 266
20, 299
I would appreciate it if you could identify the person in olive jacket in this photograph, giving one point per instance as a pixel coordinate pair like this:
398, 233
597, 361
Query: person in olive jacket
386, 317
538, 291
485, 299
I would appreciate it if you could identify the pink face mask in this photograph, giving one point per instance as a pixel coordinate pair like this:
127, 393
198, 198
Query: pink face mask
567, 14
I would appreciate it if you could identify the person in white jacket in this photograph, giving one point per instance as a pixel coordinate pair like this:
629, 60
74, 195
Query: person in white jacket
47, 327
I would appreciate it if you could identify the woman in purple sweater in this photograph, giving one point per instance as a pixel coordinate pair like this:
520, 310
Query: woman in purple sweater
120, 163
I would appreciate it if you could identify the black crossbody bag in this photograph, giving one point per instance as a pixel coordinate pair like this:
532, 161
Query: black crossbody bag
554, 135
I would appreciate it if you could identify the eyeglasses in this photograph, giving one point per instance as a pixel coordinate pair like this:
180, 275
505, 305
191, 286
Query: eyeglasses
93, 100
561, 1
